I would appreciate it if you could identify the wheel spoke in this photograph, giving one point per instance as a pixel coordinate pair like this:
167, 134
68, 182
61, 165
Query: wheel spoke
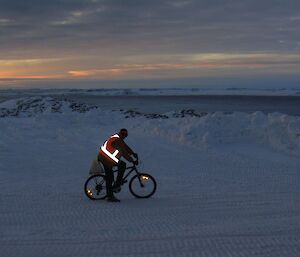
142, 185
95, 187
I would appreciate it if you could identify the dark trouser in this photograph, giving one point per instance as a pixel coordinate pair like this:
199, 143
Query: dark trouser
109, 176
121, 171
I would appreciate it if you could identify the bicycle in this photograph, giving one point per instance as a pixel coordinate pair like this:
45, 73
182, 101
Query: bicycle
141, 185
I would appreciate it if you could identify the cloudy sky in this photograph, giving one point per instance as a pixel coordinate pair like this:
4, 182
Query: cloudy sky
149, 42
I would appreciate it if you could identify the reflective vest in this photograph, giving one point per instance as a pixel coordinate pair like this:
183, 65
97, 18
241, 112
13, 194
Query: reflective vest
109, 151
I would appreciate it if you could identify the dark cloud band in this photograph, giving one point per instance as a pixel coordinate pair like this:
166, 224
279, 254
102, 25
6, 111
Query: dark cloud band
136, 26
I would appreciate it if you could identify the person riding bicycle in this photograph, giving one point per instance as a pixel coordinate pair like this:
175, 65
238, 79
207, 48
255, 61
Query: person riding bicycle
110, 155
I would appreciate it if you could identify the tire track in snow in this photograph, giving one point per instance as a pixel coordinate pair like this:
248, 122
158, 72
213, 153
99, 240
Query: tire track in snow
211, 207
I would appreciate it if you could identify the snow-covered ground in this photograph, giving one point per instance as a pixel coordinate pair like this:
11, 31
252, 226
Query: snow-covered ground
228, 184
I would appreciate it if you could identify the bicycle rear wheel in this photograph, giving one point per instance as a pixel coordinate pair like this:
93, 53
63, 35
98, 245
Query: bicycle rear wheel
142, 185
95, 187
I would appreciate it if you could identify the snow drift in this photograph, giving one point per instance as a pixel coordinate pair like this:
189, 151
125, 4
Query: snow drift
276, 130
281, 132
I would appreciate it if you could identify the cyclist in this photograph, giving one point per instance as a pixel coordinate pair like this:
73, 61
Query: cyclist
110, 155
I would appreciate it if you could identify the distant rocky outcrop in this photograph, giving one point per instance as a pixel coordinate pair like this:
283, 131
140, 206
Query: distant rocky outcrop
188, 113
134, 114
31, 106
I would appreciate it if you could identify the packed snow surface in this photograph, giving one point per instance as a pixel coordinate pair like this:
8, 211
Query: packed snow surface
228, 183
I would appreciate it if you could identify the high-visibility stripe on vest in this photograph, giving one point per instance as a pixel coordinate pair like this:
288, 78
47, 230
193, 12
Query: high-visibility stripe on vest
107, 147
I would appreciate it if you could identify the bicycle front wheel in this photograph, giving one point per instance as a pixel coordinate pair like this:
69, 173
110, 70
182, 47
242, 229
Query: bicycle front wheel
95, 187
142, 185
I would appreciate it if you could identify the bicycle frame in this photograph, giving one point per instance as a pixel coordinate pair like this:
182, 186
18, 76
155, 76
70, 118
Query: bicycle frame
128, 171
93, 190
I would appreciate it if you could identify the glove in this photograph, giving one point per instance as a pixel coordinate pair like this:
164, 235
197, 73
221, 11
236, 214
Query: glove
135, 155
136, 163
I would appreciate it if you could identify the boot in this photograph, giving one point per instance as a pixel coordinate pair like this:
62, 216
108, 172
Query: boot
112, 199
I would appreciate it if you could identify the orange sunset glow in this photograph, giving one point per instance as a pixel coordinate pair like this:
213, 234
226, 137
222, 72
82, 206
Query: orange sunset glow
196, 65
102, 40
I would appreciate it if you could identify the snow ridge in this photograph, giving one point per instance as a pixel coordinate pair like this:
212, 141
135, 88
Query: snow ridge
30, 106
278, 131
